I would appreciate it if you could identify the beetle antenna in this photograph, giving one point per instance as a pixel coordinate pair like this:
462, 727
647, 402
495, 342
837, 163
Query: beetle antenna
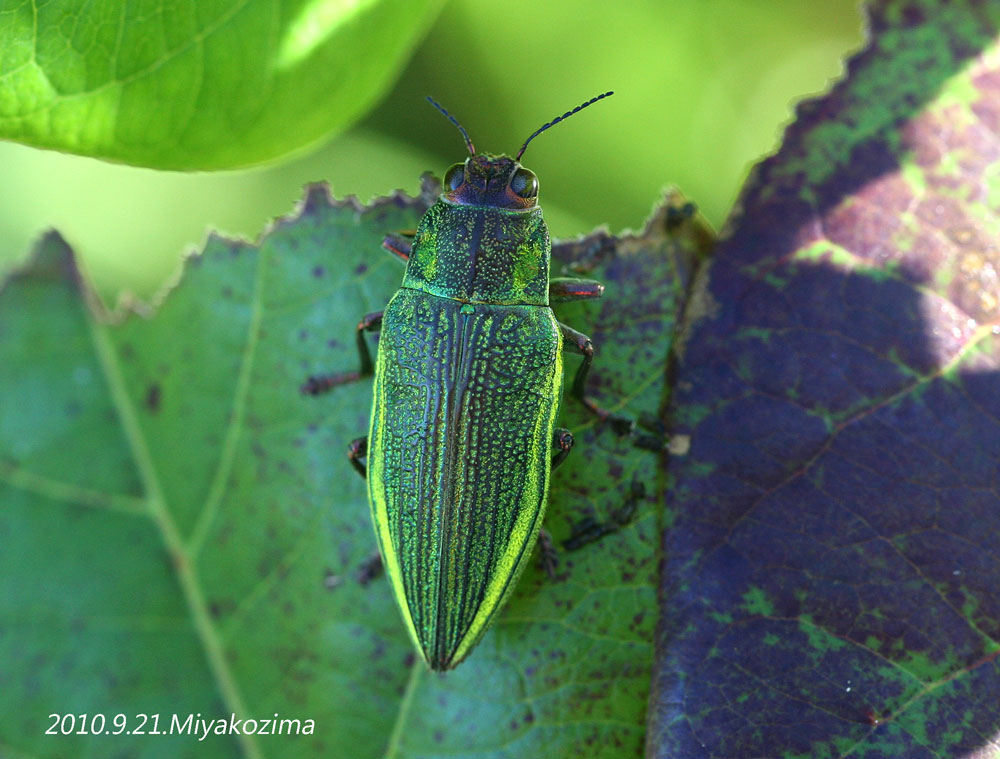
453, 120
557, 120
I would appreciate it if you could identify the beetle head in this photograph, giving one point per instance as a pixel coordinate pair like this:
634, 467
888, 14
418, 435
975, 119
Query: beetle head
491, 180
496, 180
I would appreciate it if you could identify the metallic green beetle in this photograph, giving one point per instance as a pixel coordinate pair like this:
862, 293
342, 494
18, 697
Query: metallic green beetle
468, 380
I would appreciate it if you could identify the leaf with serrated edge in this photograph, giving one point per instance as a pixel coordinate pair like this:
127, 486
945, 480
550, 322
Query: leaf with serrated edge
832, 578
183, 533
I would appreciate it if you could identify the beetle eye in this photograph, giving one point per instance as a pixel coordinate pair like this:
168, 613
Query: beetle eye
454, 177
524, 184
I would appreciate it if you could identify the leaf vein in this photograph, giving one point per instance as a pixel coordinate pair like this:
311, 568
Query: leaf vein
169, 532
236, 416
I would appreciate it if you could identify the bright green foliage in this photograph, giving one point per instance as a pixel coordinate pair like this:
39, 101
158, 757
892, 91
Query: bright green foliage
196, 85
182, 531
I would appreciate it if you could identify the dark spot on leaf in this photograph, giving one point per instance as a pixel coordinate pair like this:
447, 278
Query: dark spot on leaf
409, 659
153, 397
913, 15
303, 334
318, 271
438, 736
72, 408
227, 292
361, 268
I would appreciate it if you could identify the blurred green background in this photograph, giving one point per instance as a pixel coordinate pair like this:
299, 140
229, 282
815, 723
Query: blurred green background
703, 89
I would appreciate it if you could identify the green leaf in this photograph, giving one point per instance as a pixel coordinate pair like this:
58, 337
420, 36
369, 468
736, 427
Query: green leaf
182, 532
207, 85
832, 575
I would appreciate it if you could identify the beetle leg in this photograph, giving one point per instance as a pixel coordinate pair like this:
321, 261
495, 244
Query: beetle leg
370, 569
322, 383
547, 553
589, 530
655, 436
357, 450
370, 323
562, 441
563, 289
400, 244
580, 343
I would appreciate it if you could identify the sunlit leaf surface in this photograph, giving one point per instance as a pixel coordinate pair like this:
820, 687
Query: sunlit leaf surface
196, 85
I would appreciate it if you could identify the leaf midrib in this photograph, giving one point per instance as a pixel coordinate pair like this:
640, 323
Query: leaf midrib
180, 557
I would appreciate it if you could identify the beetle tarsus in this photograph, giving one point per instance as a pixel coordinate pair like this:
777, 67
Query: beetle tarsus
622, 425
580, 343
565, 289
369, 323
562, 441
654, 437
588, 530
400, 244
357, 450
370, 569
648, 442
548, 555
317, 384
